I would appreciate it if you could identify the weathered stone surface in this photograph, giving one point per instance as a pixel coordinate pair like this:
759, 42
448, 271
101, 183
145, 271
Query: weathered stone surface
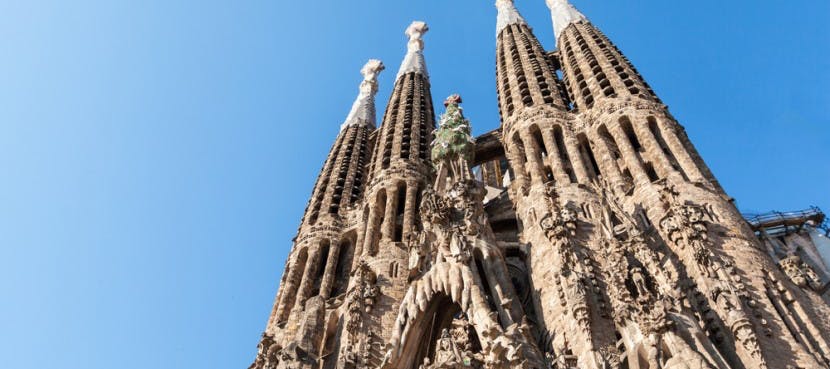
586, 232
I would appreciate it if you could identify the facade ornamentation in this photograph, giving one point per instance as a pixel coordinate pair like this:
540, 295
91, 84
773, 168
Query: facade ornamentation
585, 233
560, 226
687, 228
800, 272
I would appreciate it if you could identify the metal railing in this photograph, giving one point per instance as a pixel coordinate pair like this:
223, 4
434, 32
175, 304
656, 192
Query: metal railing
775, 219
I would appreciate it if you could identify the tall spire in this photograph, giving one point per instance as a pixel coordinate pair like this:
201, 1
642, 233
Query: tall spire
563, 14
363, 109
508, 14
414, 62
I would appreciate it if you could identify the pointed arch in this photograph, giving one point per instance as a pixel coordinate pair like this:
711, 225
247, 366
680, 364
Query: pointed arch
445, 284
344, 264
296, 270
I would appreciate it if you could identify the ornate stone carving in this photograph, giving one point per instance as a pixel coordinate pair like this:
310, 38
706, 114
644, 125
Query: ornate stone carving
419, 252
560, 226
360, 300
512, 349
685, 224
447, 353
414, 60
434, 209
366, 285
363, 109
800, 272
267, 354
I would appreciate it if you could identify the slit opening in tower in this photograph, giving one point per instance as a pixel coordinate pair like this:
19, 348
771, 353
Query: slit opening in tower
658, 135
296, 272
359, 171
343, 172
538, 65
418, 196
389, 126
409, 116
321, 267
548, 173
379, 211
588, 156
536, 133
399, 212
559, 137
318, 199
501, 75
342, 271
651, 173
628, 129
506, 230
614, 150
393, 269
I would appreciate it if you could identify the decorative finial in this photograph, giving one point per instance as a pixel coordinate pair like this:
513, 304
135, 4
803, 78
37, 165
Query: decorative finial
508, 14
453, 139
414, 59
563, 14
416, 32
370, 73
363, 109
453, 99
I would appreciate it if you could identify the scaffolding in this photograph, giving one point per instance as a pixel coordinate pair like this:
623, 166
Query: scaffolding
787, 222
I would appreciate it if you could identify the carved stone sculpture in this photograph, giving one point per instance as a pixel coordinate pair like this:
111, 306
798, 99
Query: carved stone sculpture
800, 272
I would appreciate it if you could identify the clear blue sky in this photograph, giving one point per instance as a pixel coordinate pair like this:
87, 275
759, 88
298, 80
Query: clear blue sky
157, 155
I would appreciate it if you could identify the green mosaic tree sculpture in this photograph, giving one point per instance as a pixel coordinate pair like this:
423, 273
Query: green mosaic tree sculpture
453, 138
453, 146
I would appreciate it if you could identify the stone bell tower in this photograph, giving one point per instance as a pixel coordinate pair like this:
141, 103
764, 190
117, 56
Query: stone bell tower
400, 170
319, 265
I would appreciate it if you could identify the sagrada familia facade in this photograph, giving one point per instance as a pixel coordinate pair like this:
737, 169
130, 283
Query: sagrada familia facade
585, 232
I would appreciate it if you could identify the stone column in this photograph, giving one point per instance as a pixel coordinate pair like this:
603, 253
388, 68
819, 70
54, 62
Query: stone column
557, 166
605, 158
501, 279
632, 159
288, 289
410, 208
360, 237
308, 276
534, 158
652, 146
371, 229
518, 165
331, 268
388, 226
679, 150
576, 158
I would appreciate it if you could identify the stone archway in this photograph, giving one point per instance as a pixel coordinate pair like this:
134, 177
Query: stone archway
443, 318
431, 305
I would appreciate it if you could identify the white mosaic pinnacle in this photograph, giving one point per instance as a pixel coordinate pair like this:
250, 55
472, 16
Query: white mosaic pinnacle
563, 14
508, 14
363, 109
414, 59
